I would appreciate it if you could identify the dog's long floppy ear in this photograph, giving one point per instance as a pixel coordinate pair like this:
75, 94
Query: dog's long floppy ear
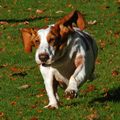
26, 38
75, 17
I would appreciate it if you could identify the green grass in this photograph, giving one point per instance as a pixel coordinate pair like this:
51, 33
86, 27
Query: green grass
18, 68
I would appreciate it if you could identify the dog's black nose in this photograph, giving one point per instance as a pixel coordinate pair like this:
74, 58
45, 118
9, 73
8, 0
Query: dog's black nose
43, 57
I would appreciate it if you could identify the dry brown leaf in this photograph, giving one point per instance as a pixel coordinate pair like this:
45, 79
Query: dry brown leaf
40, 95
92, 23
40, 11
59, 11
45, 101
13, 68
26, 22
2, 43
13, 103
118, 1
114, 74
4, 23
33, 118
1, 114
2, 49
39, 111
24, 86
30, 9
69, 5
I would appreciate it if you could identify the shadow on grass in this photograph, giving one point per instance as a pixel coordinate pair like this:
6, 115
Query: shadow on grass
111, 95
23, 20
30, 19
27, 19
22, 74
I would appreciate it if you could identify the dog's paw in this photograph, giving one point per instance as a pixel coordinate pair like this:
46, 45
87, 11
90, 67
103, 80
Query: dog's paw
70, 94
51, 106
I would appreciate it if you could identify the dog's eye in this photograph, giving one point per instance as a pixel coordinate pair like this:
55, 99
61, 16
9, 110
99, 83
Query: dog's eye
51, 40
37, 42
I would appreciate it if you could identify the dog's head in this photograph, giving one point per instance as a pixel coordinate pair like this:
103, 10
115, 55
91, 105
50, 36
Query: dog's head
51, 41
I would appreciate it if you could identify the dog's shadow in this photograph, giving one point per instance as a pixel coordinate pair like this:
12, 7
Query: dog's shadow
110, 95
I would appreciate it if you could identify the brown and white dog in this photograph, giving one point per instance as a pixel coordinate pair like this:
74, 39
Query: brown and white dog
65, 54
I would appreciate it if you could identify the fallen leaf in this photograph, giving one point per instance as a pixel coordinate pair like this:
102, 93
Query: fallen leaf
113, 14
2, 43
98, 60
40, 95
42, 90
15, 1
1, 114
39, 111
111, 61
4, 23
61, 103
99, 41
89, 89
59, 11
117, 36
92, 35
103, 45
9, 37
93, 116
3, 66
69, 6
103, 8
59, 115
92, 23
114, 74
109, 117
24, 86
19, 112
30, 9
26, 22
2, 49
33, 118
118, 1
106, 107
33, 106
90, 118
13, 103
13, 68
40, 11
32, 16
105, 94
74, 7
44, 101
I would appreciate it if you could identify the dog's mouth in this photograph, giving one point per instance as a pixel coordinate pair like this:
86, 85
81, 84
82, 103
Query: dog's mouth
46, 65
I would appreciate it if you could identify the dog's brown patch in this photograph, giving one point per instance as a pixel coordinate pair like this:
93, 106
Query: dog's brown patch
35, 40
78, 61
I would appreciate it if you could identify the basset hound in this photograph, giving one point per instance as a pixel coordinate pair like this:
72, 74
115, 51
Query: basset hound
65, 54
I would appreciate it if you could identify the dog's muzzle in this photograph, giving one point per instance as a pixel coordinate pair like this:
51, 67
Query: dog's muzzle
43, 57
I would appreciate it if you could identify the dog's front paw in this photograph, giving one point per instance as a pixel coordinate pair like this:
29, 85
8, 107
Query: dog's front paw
70, 94
51, 106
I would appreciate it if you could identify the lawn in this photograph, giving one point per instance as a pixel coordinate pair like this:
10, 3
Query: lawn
99, 99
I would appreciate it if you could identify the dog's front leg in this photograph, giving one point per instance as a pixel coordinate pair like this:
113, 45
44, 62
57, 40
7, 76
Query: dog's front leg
76, 80
49, 85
